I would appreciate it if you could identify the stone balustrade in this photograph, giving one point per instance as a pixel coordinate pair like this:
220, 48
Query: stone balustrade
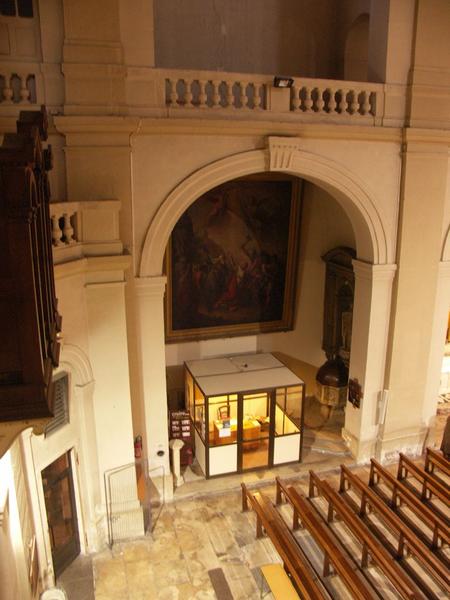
338, 100
172, 93
211, 89
17, 87
87, 228
326, 97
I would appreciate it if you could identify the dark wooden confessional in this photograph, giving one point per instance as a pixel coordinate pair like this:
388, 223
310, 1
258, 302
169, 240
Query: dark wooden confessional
29, 319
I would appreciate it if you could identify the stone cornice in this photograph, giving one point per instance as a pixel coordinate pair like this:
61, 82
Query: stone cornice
212, 126
92, 264
371, 272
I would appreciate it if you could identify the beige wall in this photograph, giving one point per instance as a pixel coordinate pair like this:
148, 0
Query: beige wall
285, 38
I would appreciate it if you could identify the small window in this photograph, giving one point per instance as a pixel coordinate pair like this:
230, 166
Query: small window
14, 8
61, 404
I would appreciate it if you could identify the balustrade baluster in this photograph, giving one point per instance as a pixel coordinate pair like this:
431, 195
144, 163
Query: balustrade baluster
295, 98
8, 91
56, 231
216, 94
24, 91
354, 104
173, 96
243, 95
365, 106
320, 103
257, 96
332, 101
68, 229
202, 97
308, 99
230, 95
343, 105
188, 95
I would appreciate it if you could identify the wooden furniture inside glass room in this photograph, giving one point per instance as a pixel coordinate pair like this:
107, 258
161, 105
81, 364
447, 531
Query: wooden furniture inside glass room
247, 412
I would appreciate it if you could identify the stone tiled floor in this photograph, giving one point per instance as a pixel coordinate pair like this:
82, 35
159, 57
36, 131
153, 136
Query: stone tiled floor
204, 529
78, 580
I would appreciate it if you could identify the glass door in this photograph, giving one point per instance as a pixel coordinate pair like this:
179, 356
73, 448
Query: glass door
61, 513
254, 432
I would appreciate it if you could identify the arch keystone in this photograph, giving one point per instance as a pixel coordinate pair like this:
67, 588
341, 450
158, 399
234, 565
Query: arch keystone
281, 152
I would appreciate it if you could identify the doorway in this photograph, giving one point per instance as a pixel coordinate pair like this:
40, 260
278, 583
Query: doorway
57, 481
254, 425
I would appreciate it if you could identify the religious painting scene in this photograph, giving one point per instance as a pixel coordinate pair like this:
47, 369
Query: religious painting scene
231, 253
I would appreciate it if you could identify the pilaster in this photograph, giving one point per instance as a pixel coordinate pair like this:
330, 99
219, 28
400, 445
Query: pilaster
149, 300
371, 313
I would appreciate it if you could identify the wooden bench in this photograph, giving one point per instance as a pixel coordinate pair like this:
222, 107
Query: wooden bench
430, 486
405, 537
400, 493
435, 459
279, 583
370, 545
295, 561
343, 565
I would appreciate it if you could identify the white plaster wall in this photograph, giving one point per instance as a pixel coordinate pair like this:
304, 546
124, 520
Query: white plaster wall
13, 568
72, 306
247, 36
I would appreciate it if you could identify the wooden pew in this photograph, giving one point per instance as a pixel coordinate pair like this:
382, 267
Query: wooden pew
434, 459
370, 545
303, 575
400, 493
343, 565
430, 485
405, 537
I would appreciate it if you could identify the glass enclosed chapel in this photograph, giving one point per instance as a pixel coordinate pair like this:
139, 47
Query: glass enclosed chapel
247, 412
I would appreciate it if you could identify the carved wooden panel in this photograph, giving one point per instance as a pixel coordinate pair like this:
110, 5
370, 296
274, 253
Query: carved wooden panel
29, 319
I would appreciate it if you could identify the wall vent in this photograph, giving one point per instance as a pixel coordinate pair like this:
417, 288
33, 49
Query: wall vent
61, 404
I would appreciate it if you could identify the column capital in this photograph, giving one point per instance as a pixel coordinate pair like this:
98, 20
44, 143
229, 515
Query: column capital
150, 286
370, 272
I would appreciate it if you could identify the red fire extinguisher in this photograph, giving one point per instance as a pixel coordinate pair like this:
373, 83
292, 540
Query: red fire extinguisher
138, 446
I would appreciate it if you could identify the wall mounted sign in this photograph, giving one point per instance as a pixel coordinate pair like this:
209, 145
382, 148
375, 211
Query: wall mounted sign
232, 260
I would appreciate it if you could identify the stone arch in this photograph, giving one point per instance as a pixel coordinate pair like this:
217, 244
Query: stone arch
348, 190
74, 359
445, 256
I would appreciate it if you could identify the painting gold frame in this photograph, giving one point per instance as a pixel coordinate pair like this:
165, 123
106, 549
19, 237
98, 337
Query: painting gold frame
248, 229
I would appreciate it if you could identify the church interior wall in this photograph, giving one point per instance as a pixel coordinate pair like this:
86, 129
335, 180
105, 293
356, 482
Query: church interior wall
83, 50
297, 41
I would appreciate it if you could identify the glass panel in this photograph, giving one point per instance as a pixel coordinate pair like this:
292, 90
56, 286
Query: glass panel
25, 8
255, 430
200, 413
7, 8
222, 419
294, 402
189, 391
287, 406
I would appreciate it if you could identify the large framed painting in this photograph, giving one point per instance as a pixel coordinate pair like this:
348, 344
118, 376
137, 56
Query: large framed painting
231, 260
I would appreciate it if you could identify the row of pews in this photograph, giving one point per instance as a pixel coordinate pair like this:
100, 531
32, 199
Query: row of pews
384, 538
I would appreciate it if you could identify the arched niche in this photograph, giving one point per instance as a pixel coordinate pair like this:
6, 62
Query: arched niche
371, 243
357, 49
73, 359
